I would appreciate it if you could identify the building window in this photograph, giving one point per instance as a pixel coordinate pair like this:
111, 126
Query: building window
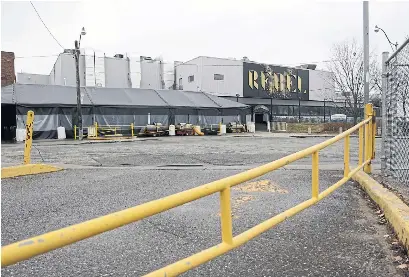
191, 78
218, 77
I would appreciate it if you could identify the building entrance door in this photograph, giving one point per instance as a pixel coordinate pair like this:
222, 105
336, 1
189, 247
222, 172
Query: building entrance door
259, 118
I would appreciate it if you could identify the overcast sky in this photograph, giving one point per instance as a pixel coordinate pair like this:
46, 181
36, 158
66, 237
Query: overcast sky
276, 32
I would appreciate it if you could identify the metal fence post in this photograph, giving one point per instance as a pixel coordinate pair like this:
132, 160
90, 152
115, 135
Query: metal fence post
385, 56
29, 137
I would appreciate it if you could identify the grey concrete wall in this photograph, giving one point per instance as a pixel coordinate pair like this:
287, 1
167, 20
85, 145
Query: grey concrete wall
116, 73
64, 73
204, 68
232, 70
183, 71
151, 74
28, 78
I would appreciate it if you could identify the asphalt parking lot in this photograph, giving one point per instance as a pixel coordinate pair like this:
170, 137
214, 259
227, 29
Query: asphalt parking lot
338, 237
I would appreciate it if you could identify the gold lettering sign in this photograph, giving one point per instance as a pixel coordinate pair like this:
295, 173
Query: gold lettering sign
289, 81
263, 80
277, 82
299, 84
253, 79
282, 82
266, 81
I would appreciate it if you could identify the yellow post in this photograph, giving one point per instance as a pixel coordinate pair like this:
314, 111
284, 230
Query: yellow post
220, 128
346, 156
96, 129
368, 137
75, 132
131, 129
373, 134
115, 130
315, 175
225, 206
29, 137
361, 146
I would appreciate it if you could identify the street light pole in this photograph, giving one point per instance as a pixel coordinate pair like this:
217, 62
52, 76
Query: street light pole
79, 111
366, 50
377, 28
299, 97
77, 69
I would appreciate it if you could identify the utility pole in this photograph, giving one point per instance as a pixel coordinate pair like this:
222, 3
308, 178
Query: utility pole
366, 51
77, 69
324, 110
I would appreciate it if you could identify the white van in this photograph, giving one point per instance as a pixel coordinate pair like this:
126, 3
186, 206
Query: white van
338, 118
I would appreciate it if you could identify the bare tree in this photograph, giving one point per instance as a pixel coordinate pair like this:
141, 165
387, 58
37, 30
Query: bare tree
376, 99
401, 88
347, 66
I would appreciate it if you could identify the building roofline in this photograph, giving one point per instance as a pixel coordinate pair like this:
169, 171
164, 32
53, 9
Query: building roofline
226, 59
254, 62
33, 73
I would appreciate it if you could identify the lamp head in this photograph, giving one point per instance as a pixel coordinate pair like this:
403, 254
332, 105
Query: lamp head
376, 28
83, 33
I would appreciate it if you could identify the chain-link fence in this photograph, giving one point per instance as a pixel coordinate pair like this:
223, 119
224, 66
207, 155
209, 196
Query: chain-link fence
396, 114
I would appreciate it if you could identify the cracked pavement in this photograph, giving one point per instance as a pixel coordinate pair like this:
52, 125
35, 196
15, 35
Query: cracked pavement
337, 237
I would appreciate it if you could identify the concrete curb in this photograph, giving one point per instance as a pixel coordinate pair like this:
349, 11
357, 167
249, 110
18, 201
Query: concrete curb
396, 212
27, 169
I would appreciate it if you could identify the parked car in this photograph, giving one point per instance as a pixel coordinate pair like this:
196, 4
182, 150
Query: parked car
338, 118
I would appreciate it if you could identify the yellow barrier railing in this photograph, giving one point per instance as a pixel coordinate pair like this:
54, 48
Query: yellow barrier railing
34, 246
113, 130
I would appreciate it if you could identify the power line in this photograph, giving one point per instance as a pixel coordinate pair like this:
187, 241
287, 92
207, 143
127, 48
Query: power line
45, 25
43, 56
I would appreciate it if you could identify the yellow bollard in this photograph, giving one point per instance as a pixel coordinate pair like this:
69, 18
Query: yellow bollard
225, 206
29, 137
132, 130
315, 175
75, 132
346, 156
368, 137
96, 129
361, 146
373, 134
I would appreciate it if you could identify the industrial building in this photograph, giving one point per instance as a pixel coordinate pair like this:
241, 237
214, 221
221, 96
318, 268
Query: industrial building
98, 70
272, 92
275, 93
